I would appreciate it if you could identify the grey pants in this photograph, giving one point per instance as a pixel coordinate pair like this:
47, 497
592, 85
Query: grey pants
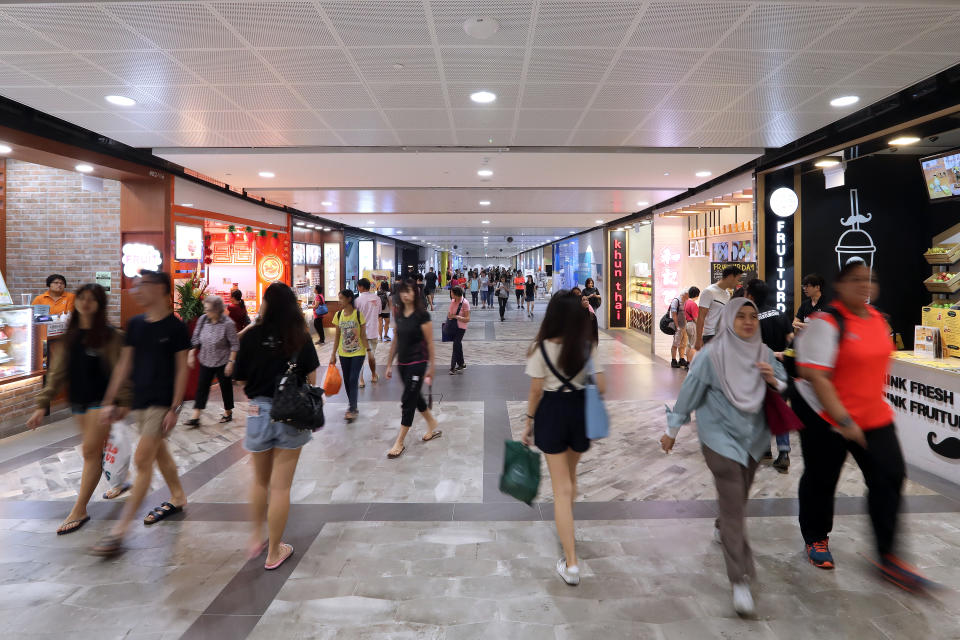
733, 482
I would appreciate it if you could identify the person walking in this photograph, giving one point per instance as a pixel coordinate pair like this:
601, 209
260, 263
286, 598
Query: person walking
556, 410
237, 311
430, 286
484, 289
492, 280
215, 346
530, 294
592, 294
459, 309
155, 356
383, 329
690, 311
843, 355
82, 361
474, 284
319, 303
503, 295
712, 300
350, 344
266, 351
726, 386
369, 305
414, 352
518, 286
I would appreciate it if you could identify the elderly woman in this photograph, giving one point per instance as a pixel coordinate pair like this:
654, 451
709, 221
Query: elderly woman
215, 345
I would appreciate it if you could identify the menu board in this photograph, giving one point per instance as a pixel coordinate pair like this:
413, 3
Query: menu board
749, 270
313, 254
331, 270
942, 175
299, 253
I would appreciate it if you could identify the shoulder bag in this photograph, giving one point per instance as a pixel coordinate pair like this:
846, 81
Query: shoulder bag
780, 418
667, 325
449, 328
321, 309
296, 402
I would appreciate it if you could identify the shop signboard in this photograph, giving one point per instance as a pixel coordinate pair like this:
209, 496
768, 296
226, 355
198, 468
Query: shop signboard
138, 256
698, 248
617, 257
749, 270
778, 211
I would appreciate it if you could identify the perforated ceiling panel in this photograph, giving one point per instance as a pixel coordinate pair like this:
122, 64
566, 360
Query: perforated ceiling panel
389, 72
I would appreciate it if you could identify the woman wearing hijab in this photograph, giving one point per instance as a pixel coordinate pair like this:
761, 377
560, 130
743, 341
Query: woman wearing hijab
726, 386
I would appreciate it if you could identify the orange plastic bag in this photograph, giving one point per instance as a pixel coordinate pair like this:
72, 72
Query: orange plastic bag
332, 381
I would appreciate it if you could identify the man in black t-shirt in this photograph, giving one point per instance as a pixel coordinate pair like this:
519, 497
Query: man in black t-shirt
430, 286
155, 358
813, 299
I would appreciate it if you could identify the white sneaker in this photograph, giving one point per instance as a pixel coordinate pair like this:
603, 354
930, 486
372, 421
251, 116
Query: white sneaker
742, 599
570, 575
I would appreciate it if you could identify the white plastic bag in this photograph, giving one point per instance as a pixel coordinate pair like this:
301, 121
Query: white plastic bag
117, 452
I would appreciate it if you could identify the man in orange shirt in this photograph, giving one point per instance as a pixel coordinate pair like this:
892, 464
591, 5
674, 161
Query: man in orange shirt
518, 283
56, 296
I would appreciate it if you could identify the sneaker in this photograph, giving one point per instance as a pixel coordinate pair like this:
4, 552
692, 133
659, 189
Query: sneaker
898, 572
819, 554
782, 463
570, 575
684, 364
674, 364
716, 536
453, 372
742, 599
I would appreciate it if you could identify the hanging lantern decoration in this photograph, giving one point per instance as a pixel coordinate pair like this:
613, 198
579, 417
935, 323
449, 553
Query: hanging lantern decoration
208, 260
231, 234
275, 241
207, 248
261, 240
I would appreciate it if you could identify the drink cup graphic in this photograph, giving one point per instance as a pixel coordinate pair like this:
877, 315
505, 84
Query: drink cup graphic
855, 244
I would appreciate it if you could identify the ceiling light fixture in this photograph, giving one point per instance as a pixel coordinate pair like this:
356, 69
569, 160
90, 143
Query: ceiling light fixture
83, 168
187, 204
370, 222
484, 173
666, 173
704, 174
483, 97
326, 203
642, 203
903, 141
266, 174
844, 101
326, 228
484, 222
399, 233
301, 224
5, 148
120, 101
644, 222
484, 203
599, 221
825, 163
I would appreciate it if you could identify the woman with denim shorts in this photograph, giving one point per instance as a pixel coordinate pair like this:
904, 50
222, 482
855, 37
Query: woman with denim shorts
266, 350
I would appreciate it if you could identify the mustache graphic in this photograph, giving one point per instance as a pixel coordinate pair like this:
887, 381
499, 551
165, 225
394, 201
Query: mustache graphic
948, 447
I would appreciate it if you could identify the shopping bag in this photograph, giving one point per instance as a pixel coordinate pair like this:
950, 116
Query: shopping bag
598, 422
332, 381
780, 418
117, 451
521, 472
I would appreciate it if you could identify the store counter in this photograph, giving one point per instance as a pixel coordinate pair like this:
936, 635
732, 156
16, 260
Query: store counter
925, 396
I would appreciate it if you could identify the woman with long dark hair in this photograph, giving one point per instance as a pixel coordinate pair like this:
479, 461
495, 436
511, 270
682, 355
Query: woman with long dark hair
83, 360
318, 301
385, 308
413, 349
503, 295
556, 421
530, 294
266, 349
351, 345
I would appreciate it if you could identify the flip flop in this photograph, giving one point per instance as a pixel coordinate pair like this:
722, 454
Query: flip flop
164, 511
109, 545
122, 489
72, 526
433, 436
394, 456
283, 557
225, 418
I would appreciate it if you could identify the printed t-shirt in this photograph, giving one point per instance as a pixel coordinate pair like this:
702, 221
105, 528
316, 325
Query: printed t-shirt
411, 346
713, 299
370, 306
155, 347
676, 308
453, 309
859, 361
63, 304
518, 283
537, 367
261, 360
350, 345
691, 309
774, 328
807, 308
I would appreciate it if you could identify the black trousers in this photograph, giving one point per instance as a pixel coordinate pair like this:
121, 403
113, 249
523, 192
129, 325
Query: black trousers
519, 293
205, 379
503, 306
412, 399
457, 357
318, 325
824, 452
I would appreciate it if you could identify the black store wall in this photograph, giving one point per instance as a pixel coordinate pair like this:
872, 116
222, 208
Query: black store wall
901, 225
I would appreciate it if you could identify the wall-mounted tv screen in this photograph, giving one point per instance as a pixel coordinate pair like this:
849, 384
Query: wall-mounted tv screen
942, 175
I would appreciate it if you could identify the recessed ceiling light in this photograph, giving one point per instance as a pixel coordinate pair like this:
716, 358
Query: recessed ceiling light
83, 168
326, 228
904, 140
120, 101
824, 163
484, 203
642, 203
266, 174
5, 148
556, 237
599, 221
484, 221
484, 173
187, 204
483, 97
301, 224
572, 231
399, 233
326, 203
370, 222
704, 174
844, 101
666, 173
644, 222
413, 237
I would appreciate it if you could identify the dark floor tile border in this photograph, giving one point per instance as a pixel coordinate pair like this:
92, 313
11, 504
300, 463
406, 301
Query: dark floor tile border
39, 453
410, 512
211, 626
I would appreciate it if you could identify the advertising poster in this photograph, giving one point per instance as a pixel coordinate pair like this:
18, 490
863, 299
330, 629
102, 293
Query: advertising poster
720, 252
942, 176
189, 242
565, 263
103, 279
299, 253
741, 250
331, 270
313, 254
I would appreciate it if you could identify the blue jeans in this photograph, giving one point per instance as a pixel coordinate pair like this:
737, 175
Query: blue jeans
351, 368
783, 443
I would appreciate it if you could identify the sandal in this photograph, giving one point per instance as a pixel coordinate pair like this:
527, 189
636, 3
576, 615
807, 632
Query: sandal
432, 436
109, 545
394, 456
350, 416
164, 511
255, 551
73, 525
226, 418
286, 550
192, 422
116, 492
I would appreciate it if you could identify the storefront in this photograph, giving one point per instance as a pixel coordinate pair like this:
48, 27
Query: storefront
894, 205
317, 260
579, 258
631, 277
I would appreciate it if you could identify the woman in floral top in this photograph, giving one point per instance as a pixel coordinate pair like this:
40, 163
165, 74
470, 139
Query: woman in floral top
215, 345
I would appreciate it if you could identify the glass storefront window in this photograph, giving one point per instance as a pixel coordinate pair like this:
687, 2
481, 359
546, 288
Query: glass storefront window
331, 270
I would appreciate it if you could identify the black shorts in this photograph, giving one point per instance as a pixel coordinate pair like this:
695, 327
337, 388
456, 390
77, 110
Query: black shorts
429, 291
560, 422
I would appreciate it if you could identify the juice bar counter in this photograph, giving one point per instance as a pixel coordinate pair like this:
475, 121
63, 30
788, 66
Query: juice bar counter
925, 396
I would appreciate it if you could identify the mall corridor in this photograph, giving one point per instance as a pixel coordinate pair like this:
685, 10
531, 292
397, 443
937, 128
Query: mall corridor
426, 546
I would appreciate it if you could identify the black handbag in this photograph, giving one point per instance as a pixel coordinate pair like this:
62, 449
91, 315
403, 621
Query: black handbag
297, 403
449, 328
667, 325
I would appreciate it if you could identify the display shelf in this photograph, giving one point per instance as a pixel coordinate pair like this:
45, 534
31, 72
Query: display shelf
950, 256
943, 286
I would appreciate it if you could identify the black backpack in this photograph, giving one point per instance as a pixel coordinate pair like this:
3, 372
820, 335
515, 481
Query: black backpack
667, 325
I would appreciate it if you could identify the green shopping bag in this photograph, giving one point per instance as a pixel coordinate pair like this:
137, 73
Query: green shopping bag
521, 472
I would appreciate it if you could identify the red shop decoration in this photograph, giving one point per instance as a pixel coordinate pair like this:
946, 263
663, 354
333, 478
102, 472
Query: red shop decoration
231, 234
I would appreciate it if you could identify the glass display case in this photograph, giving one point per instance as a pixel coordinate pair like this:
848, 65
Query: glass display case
16, 341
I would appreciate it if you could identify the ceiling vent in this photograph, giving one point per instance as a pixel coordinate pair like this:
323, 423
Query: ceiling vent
481, 28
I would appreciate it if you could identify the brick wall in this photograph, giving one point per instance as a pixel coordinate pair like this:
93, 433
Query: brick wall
53, 226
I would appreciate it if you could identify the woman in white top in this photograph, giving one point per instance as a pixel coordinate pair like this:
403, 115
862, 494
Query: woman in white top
556, 410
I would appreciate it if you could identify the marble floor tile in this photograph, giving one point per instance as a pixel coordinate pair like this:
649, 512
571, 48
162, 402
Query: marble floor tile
347, 463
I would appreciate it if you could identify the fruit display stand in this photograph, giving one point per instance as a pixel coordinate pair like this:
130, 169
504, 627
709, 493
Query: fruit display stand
943, 254
943, 282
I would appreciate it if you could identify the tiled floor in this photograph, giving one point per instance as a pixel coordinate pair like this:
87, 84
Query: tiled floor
426, 547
